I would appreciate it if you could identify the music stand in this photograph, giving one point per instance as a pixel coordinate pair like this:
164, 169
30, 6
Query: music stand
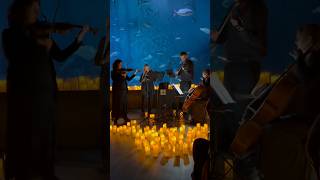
177, 88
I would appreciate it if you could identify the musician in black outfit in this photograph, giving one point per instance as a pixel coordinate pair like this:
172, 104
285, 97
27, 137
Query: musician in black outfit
120, 91
205, 80
244, 41
185, 72
31, 90
147, 89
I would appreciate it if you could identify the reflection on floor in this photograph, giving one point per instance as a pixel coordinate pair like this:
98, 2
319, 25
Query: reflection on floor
127, 163
80, 165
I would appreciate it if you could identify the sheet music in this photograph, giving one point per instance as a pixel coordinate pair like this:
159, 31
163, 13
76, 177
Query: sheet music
178, 89
220, 90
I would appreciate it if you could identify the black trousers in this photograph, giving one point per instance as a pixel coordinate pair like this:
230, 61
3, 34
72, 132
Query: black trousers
240, 78
146, 100
119, 104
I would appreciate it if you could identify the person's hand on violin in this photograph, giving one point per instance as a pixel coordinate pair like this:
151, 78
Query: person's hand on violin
82, 33
124, 74
45, 42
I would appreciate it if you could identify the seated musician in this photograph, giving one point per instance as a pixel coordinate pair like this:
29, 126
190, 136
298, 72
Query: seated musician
197, 98
281, 130
282, 124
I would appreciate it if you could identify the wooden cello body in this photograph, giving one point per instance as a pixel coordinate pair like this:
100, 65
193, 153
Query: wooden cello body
273, 105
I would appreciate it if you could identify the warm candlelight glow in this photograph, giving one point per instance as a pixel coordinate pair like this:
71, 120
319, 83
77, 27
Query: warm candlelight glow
173, 141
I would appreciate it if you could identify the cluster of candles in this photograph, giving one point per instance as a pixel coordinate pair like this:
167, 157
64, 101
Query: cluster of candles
174, 141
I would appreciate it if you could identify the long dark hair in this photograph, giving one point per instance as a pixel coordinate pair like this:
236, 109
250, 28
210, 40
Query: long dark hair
17, 10
116, 63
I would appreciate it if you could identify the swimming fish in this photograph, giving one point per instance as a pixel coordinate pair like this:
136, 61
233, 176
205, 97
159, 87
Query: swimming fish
147, 25
123, 29
183, 12
194, 59
162, 65
175, 56
159, 53
205, 30
147, 57
178, 38
115, 53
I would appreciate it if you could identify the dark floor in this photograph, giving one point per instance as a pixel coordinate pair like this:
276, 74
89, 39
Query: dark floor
80, 165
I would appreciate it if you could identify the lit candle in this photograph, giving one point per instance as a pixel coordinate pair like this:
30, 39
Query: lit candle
198, 125
164, 125
185, 148
152, 116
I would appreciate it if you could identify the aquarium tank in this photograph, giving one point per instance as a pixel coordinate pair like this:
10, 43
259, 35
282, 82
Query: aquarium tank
154, 32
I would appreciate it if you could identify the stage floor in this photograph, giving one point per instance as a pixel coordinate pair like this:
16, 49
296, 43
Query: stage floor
127, 163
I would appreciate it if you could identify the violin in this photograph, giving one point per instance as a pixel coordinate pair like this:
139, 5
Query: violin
44, 29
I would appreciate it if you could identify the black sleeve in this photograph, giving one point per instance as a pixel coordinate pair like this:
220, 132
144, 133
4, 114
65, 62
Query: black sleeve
141, 78
131, 77
62, 55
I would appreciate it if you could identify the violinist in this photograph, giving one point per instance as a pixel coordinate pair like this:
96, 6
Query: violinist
120, 91
31, 89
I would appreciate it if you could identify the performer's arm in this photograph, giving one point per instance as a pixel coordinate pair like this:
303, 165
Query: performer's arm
256, 39
62, 55
132, 76
101, 52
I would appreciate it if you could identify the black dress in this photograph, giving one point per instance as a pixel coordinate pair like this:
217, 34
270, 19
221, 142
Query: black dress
120, 95
31, 89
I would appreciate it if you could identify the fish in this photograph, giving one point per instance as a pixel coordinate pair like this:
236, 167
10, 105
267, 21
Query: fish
194, 59
147, 25
123, 29
86, 52
178, 38
143, 1
162, 65
316, 10
115, 53
159, 53
205, 30
183, 12
147, 57
175, 56
117, 39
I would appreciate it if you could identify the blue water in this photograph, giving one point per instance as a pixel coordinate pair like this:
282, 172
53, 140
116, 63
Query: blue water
154, 32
